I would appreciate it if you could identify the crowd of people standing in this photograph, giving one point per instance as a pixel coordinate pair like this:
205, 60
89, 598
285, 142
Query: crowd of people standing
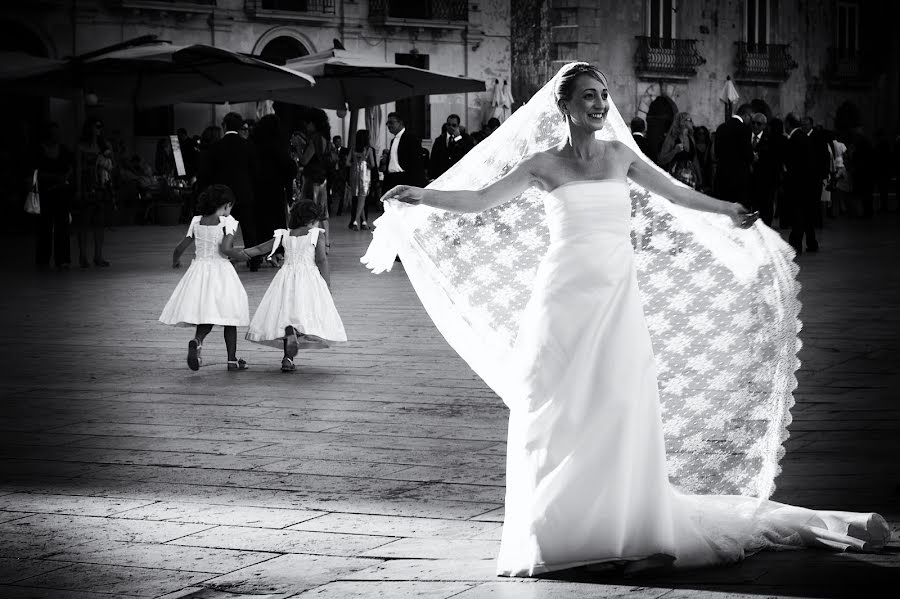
791, 170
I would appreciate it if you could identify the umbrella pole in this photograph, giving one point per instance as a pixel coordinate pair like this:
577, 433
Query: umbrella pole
354, 125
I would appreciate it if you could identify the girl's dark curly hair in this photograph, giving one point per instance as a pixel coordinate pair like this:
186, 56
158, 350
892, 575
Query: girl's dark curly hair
304, 212
213, 197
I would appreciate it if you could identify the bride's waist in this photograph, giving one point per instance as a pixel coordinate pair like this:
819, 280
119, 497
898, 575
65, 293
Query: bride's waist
594, 235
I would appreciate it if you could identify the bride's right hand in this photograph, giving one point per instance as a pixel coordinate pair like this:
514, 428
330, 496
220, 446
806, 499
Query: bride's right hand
406, 194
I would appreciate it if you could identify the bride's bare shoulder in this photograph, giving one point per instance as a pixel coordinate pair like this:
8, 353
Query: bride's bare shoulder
541, 165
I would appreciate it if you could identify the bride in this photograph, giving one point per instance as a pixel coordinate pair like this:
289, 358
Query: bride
642, 334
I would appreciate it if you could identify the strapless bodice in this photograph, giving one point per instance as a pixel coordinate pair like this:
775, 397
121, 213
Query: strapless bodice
587, 210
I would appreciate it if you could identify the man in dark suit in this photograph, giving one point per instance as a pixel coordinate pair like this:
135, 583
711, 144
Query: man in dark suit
799, 185
638, 129
232, 161
448, 148
734, 155
765, 170
404, 164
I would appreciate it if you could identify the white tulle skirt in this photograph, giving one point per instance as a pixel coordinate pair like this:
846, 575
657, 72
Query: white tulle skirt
210, 292
297, 297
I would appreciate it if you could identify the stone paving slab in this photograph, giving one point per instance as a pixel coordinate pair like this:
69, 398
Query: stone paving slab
376, 469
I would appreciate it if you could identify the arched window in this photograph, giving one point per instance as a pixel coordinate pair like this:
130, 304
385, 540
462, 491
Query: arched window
282, 49
659, 118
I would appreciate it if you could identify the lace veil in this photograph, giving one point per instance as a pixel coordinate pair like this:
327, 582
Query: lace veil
720, 302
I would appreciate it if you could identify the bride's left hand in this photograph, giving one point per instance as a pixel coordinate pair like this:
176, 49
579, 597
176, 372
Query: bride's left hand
405, 193
741, 217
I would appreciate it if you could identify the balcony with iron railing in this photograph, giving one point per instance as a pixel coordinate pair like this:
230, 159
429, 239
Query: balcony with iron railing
442, 14
182, 6
666, 58
847, 67
763, 63
292, 10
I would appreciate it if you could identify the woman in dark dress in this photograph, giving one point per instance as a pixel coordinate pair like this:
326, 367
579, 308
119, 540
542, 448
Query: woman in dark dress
678, 155
54, 163
703, 141
273, 186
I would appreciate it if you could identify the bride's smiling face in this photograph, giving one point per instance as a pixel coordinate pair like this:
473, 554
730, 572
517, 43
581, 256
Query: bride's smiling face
589, 104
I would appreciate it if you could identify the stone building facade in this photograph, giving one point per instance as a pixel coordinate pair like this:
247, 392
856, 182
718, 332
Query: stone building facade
810, 57
456, 37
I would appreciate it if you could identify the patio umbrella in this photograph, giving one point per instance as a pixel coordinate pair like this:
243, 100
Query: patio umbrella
16, 65
347, 80
146, 72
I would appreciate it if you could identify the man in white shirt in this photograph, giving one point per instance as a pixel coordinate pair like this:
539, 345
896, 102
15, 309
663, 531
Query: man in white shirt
405, 165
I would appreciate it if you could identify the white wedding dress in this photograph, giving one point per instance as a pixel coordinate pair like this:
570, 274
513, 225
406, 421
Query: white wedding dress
646, 351
586, 478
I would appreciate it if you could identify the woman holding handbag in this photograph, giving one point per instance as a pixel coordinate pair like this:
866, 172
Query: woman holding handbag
53, 163
361, 162
678, 155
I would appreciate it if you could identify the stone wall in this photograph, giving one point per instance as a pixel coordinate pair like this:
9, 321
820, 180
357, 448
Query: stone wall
604, 32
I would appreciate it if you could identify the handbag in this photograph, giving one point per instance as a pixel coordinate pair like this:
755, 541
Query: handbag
683, 170
33, 199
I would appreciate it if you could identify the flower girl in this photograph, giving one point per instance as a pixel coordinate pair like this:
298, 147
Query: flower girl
297, 310
210, 292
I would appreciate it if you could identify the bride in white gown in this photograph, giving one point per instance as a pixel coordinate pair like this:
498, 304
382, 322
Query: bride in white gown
608, 460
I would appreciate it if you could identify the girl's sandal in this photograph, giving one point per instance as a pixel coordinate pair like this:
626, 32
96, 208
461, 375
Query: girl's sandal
291, 345
193, 357
287, 365
237, 365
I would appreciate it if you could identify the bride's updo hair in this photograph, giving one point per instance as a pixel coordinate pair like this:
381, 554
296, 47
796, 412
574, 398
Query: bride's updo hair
565, 80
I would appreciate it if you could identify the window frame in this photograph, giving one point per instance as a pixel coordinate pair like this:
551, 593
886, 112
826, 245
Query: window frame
754, 21
648, 23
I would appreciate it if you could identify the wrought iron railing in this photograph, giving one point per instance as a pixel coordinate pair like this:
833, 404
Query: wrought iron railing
763, 62
667, 56
301, 6
424, 10
175, 5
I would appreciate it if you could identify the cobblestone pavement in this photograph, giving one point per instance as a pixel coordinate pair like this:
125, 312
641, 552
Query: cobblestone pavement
376, 469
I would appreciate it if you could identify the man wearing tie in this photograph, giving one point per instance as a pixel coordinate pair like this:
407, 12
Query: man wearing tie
765, 169
405, 166
734, 155
799, 185
448, 148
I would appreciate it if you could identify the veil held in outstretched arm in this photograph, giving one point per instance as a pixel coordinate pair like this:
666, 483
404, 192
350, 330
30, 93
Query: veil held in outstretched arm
720, 302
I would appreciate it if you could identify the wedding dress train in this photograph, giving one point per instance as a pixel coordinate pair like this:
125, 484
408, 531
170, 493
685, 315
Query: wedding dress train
646, 351
587, 479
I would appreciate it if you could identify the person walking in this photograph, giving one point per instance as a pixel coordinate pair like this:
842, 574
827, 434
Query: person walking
231, 161
297, 310
210, 292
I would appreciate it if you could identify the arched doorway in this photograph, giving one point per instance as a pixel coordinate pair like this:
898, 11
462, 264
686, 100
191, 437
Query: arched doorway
279, 50
283, 48
30, 115
660, 115
760, 105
